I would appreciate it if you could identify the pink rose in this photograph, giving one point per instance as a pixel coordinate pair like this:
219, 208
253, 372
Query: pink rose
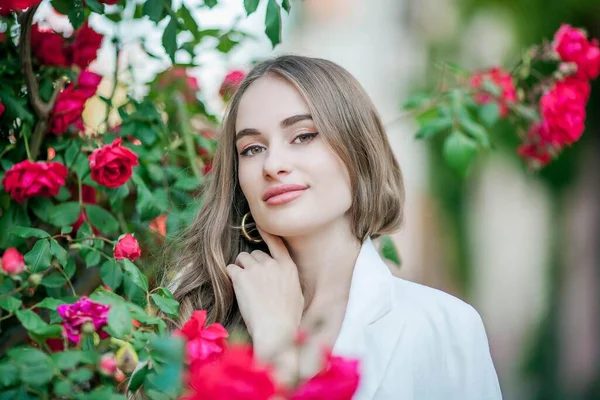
127, 247
572, 45
108, 364
34, 179
563, 110
338, 380
203, 343
230, 84
2, 108
13, 262
112, 164
503, 80
76, 316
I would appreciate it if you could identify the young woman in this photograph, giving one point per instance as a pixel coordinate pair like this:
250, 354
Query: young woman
302, 181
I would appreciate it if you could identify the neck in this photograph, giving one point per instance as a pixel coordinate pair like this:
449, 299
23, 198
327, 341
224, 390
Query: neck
325, 260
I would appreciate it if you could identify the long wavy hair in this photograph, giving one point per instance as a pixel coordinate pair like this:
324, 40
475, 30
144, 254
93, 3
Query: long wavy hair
347, 119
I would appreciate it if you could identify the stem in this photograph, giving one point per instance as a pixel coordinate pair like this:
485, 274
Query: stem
26, 140
188, 139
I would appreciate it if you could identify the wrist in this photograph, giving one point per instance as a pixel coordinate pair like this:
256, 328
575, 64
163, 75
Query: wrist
270, 340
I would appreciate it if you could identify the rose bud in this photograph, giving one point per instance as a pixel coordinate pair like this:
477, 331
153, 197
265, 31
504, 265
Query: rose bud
127, 358
13, 262
127, 247
35, 279
108, 364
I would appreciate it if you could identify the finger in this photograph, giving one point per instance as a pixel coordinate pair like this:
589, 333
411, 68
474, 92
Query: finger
276, 246
245, 260
233, 271
260, 256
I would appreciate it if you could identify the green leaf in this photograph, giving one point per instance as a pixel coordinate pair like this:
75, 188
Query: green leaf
156, 395
81, 375
166, 305
59, 252
389, 251
119, 321
491, 87
459, 151
10, 304
95, 6
24, 232
286, 5
111, 274
273, 22
66, 230
434, 127
54, 280
189, 22
187, 183
9, 374
76, 13
135, 274
137, 378
226, 43
102, 219
31, 321
416, 100
136, 294
92, 258
154, 9
41, 207
70, 267
67, 359
71, 153
64, 214
251, 6
63, 387
39, 257
169, 39
35, 367
210, 3
475, 130
49, 303
528, 113
489, 114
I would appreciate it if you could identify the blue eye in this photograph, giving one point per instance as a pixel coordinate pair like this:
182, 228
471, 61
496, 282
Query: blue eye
305, 137
252, 150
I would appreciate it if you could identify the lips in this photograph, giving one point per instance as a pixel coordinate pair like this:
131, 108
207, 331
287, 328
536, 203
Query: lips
283, 193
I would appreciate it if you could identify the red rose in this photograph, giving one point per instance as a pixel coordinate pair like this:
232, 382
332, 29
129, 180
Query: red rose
203, 343
572, 45
109, 2
127, 247
112, 164
16, 5
337, 381
34, 179
13, 262
2, 108
49, 47
230, 84
505, 83
71, 102
563, 110
235, 375
85, 47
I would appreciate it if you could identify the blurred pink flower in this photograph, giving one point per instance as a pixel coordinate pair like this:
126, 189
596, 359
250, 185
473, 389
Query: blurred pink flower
78, 314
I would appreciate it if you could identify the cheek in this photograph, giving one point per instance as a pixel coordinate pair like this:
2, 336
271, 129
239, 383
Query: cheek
335, 176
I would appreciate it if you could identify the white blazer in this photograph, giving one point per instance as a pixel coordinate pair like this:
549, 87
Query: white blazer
413, 342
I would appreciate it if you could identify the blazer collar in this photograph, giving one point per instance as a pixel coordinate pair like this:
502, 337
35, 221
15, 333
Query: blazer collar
370, 288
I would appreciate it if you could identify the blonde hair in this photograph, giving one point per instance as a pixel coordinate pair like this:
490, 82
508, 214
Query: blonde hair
347, 119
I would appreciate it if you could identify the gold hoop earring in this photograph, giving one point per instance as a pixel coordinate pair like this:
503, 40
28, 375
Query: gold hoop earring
245, 232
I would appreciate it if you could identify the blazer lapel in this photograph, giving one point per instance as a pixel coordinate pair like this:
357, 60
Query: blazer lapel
370, 330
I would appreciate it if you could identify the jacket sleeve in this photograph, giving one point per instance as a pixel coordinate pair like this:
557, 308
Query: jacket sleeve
482, 380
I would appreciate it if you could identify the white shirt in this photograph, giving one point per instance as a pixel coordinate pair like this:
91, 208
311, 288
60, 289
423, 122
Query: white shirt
413, 342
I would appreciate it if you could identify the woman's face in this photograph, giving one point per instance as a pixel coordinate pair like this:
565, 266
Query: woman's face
294, 183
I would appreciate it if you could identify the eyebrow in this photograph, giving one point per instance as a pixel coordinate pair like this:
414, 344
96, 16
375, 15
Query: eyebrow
286, 123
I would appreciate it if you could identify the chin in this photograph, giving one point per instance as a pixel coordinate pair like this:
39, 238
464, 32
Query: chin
288, 224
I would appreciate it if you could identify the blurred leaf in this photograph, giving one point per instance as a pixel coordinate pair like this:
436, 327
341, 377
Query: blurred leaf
187, 183
273, 22
10, 304
25, 232
251, 6
76, 13
134, 292
416, 100
210, 3
119, 321
434, 127
59, 252
49, 303
102, 219
189, 22
166, 305
39, 257
111, 274
389, 251
9, 374
14, 216
31, 321
63, 387
169, 39
154, 9
489, 114
135, 274
54, 280
528, 113
66, 230
64, 214
226, 43
95, 6
35, 367
70, 267
475, 130
137, 378
81, 375
41, 207
67, 359
459, 151
491, 87
92, 259
286, 5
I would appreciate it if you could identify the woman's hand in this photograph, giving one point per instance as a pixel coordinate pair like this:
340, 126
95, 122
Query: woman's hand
269, 296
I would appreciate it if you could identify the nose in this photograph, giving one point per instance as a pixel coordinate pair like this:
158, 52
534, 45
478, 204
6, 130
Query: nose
276, 163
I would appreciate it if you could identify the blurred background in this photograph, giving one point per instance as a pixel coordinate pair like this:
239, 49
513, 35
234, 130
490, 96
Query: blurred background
523, 248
